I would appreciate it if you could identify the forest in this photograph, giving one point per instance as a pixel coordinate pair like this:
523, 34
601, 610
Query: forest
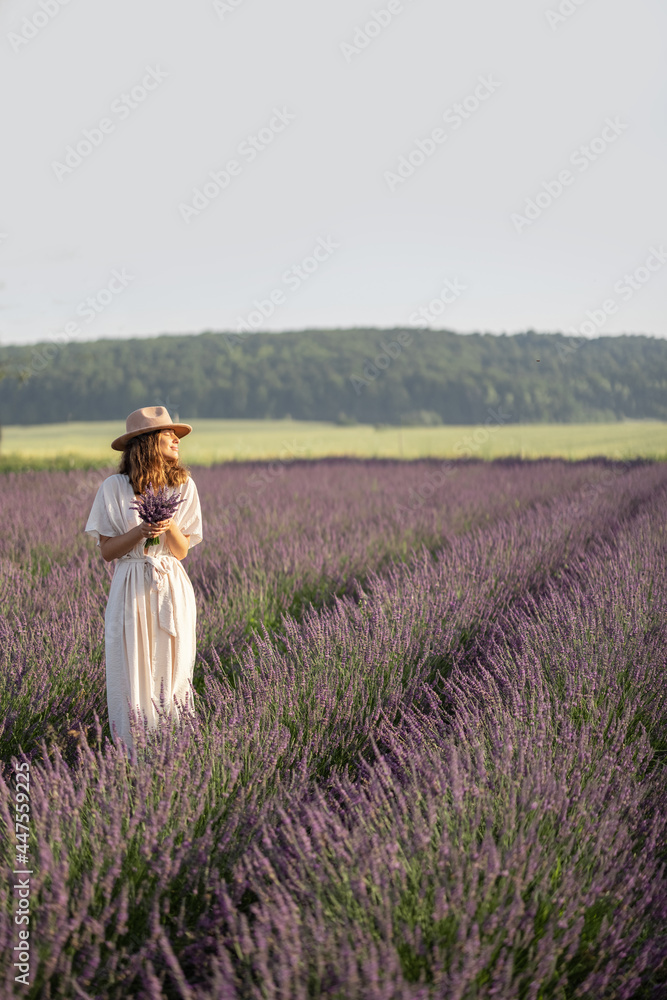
381, 376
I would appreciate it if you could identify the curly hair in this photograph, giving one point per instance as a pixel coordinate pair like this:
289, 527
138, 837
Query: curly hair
143, 463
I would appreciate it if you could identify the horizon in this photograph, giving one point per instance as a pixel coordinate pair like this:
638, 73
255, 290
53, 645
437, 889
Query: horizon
350, 329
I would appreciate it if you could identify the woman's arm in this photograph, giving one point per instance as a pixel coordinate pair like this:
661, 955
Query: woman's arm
119, 545
178, 543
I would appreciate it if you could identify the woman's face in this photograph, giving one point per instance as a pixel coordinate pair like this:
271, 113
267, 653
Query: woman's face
169, 445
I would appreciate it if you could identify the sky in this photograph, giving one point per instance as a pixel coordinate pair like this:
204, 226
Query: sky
235, 165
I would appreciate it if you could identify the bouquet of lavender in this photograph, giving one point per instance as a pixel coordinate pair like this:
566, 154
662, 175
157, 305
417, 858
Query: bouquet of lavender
154, 507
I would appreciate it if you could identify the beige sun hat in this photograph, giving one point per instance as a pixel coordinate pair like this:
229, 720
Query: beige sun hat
148, 418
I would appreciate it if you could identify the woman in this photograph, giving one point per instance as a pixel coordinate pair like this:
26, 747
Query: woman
150, 618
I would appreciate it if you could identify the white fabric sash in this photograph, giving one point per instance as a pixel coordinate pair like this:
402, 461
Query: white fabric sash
156, 570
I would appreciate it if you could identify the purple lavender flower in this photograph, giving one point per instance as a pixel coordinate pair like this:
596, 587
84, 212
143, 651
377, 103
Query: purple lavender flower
154, 507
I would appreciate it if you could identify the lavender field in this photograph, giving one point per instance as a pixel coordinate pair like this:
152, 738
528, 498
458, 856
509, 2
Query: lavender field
428, 754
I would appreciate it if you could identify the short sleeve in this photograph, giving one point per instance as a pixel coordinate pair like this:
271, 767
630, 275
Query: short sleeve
101, 514
188, 516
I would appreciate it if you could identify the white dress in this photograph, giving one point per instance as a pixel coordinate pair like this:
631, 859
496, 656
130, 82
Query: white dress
150, 618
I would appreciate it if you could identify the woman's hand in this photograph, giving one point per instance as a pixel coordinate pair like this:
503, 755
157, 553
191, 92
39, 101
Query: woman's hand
153, 530
177, 543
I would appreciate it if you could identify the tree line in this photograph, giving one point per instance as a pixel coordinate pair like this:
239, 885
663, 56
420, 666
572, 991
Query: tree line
390, 376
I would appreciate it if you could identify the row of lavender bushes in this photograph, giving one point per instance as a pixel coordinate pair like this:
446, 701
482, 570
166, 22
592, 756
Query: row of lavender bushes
274, 542
447, 784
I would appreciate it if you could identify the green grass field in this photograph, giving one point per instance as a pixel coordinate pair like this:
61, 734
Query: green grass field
233, 440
